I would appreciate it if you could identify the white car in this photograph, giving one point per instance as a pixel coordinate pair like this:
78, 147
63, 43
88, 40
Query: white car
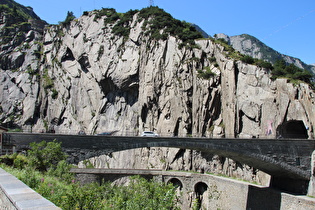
149, 134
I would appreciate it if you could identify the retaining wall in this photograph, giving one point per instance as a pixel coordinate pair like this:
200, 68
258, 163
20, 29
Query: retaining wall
230, 194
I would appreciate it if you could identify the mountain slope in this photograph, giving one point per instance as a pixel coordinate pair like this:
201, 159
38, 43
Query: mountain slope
26, 12
249, 45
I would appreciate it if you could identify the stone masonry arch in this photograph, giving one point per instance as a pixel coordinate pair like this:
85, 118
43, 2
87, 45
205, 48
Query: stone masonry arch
201, 192
176, 182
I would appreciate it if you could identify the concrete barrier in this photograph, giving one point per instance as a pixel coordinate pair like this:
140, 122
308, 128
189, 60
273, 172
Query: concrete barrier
14, 194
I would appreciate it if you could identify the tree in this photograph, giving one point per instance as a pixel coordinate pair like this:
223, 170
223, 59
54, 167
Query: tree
44, 156
70, 17
248, 59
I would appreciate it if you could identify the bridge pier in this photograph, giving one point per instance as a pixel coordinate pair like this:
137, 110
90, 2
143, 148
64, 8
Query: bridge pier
89, 178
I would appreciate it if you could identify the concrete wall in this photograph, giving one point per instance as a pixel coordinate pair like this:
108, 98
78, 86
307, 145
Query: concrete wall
14, 194
225, 193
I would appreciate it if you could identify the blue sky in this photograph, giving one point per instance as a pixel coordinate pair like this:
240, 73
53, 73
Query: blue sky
285, 26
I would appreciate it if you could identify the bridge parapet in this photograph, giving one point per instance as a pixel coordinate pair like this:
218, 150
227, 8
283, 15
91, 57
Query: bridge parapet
14, 194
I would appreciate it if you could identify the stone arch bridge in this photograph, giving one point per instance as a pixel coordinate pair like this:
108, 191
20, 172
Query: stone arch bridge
288, 161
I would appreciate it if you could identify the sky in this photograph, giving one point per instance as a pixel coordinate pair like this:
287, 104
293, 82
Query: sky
286, 26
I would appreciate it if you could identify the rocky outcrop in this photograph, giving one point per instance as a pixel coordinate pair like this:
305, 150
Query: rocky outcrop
84, 77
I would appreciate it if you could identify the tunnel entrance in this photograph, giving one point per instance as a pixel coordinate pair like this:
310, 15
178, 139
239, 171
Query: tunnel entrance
292, 129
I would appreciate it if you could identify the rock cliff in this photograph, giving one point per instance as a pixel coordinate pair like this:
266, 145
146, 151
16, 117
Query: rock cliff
91, 75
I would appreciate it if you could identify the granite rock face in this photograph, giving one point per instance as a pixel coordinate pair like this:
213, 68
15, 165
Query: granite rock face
84, 77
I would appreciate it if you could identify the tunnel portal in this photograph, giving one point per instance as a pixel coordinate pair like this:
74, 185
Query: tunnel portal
293, 129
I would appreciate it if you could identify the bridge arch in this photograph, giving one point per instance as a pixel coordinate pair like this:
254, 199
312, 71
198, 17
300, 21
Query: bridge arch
200, 188
201, 191
176, 183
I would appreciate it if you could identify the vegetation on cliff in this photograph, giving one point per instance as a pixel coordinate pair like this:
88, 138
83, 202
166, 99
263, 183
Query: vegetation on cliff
70, 17
45, 170
158, 24
292, 72
13, 8
16, 25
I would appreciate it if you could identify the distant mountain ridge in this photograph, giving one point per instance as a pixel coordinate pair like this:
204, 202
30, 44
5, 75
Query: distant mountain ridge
27, 12
250, 45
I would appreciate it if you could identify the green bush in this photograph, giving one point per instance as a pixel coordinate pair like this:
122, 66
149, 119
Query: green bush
212, 60
8, 159
258, 62
110, 13
54, 94
15, 160
264, 64
248, 59
44, 156
122, 27
142, 194
20, 161
47, 81
62, 171
206, 73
